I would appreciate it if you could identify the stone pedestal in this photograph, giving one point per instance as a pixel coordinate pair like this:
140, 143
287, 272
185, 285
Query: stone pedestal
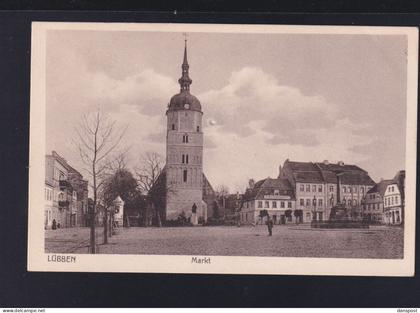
194, 219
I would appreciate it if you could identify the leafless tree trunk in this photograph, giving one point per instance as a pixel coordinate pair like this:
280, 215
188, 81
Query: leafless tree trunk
222, 192
148, 173
97, 138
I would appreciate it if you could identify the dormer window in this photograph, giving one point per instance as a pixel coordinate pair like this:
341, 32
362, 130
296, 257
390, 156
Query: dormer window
276, 192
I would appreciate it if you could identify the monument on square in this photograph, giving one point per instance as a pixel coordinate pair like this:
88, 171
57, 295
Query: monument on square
340, 215
118, 211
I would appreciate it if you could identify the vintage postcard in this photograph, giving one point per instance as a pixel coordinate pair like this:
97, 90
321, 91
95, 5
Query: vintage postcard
236, 149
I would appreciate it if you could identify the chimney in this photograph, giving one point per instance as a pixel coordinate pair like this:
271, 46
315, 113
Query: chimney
251, 183
279, 171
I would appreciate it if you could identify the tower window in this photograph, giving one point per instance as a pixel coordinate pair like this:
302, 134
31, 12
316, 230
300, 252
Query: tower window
173, 126
186, 159
183, 158
198, 129
185, 138
185, 176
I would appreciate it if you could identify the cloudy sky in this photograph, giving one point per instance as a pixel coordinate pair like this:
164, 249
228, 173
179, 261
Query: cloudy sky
265, 97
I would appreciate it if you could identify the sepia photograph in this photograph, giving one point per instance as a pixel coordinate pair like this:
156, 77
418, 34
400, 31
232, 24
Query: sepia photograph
245, 149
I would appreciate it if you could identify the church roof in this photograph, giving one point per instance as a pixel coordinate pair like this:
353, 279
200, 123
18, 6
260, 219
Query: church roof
179, 101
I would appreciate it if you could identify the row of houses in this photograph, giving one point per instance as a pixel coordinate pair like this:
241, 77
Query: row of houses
65, 193
302, 192
385, 202
306, 191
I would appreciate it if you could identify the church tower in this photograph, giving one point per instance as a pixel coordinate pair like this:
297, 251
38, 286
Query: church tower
184, 152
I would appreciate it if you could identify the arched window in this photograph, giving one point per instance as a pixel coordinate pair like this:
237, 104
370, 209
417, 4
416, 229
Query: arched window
185, 173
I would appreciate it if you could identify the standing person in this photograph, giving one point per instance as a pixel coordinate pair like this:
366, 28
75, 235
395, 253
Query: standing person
269, 225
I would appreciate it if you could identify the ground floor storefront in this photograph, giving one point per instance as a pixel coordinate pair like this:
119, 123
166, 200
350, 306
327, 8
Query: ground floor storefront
393, 216
374, 218
281, 217
60, 218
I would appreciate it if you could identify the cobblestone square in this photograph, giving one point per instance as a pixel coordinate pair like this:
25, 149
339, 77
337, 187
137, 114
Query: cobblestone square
287, 241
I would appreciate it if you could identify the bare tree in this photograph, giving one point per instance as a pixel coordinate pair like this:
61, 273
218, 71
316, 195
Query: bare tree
222, 191
97, 138
149, 170
152, 183
119, 162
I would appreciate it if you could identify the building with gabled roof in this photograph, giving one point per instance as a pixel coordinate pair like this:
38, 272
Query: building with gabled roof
394, 200
315, 185
67, 193
276, 196
373, 204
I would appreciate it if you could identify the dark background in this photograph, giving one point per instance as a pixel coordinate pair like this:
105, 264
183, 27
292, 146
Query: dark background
19, 288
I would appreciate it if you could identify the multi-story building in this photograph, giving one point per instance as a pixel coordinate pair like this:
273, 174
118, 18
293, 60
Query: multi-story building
79, 208
385, 202
67, 200
276, 196
315, 186
393, 204
399, 179
48, 198
373, 204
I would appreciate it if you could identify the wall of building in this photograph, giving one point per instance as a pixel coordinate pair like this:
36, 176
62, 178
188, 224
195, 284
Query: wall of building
48, 211
306, 192
276, 208
373, 208
184, 155
393, 205
182, 200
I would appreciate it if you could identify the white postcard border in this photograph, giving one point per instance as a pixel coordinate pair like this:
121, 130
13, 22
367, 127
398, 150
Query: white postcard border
38, 260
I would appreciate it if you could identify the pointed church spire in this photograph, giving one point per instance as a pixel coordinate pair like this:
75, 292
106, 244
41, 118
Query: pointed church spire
185, 63
185, 81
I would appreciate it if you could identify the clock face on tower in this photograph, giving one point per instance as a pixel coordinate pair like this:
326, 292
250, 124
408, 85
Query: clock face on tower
187, 106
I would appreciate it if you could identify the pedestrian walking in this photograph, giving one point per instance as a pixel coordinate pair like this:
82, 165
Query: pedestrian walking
270, 225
